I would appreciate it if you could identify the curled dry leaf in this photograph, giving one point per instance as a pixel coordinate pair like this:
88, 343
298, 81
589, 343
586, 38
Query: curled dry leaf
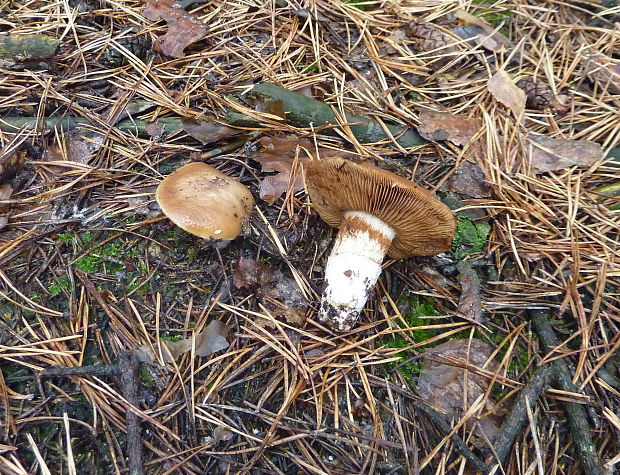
208, 341
504, 90
468, 179
183, 28
284, 154
548, 154
496, 36
443, 385
604, 71
470, 304
457, 128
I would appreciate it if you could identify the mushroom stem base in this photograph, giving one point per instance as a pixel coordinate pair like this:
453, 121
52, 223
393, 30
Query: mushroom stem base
353, 268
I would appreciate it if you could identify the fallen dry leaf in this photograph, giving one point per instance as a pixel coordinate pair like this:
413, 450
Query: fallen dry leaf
279, 155
468, 179
442, 383
604, 71
470, 304
506, 91
183, 28
548, 154
271, 284
477, 36
208, 131
457, 128
208, 341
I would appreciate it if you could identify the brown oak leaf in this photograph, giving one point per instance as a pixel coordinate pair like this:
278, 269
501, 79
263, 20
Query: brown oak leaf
183, 28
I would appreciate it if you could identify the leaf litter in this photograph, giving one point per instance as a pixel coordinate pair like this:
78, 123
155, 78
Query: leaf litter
210, 340
102, 275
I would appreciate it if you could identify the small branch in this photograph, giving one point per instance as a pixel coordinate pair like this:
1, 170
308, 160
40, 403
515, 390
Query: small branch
440, 421
577, 417
127, 372
304, 111
516, 420
18, 48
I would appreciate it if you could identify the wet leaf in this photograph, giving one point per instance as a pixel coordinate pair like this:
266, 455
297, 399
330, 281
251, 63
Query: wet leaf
284, 154
208, 341
604, 71
470, 305
443, 385
457, 128
548, 154
209, 132
506, 91
183, 28
468, 179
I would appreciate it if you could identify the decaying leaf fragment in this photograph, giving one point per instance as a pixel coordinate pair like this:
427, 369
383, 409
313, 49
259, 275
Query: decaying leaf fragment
468, 179
506, 91
437, 125
208, 341
548, 154
443, 385
281, 154
271, 284
5, 194
78, 147
183, 28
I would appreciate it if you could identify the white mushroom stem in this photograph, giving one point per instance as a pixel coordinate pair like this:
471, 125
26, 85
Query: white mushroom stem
353, 268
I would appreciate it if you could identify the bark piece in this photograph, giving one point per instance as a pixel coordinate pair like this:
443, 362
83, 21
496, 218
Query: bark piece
15, 49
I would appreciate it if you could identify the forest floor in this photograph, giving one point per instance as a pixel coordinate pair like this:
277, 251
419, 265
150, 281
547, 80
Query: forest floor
128, 345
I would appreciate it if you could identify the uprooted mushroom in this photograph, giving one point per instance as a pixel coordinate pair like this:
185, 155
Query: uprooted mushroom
203, 201
377, 212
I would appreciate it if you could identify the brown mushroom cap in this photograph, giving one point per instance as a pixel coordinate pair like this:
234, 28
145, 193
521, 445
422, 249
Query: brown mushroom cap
424, 226
204, 201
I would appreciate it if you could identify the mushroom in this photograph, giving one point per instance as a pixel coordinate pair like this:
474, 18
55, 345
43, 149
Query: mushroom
377, 212
204, 201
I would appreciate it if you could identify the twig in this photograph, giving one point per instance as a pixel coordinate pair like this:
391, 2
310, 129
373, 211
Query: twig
305, 111
577, 418
515, 421
127, 371
440, 421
